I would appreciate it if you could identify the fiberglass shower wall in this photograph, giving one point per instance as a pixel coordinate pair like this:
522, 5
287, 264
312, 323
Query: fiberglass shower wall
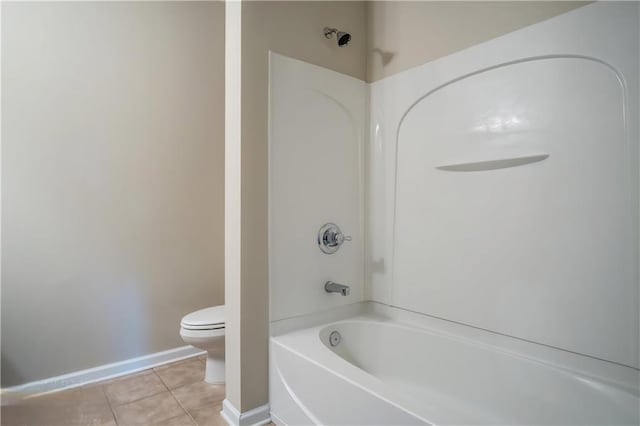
503, 185
316, 143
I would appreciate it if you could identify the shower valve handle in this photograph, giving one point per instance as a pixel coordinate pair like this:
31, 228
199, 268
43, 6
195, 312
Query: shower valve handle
340, 238
330, 238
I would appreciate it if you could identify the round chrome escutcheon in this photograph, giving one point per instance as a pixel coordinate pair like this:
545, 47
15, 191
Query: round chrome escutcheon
330, 238
334, 338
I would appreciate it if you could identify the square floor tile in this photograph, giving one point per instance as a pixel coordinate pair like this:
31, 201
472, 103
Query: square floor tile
199, 394
84, 406
131, 388
151, 410
182, 420
181, 373
209, 415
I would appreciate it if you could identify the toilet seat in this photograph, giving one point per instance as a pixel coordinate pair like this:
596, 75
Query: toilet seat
201, 336
205, 329
205, 319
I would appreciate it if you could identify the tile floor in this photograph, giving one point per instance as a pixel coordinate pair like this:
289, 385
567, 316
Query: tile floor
170, 395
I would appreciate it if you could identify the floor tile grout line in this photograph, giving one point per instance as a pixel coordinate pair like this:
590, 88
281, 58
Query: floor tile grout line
140, 399
181, 385
166, 388
113, 413
112, 406
161, 380
120, 379
155, 395
174, 363
194, 408
183, 407
174, 397
177, 400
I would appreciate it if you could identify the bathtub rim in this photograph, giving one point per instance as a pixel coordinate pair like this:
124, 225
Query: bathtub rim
609, 373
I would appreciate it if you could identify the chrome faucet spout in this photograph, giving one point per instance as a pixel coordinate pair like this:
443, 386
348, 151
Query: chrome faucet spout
331, 287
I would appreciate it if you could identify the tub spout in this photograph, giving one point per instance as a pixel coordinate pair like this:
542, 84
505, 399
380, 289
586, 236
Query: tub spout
331, 287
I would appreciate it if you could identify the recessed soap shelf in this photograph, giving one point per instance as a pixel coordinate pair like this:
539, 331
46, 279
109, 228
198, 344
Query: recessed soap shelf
503, 163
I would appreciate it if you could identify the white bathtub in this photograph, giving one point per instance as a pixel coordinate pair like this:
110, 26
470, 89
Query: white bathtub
394, 367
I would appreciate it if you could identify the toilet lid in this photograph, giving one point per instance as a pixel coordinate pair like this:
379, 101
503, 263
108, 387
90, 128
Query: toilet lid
204, 318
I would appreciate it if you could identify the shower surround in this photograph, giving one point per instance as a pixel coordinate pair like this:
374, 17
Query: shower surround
494, 212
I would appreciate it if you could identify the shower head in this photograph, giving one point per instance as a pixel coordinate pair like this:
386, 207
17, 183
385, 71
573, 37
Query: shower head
343, 37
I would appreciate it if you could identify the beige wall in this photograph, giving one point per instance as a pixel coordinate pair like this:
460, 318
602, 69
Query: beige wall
405, 34
112, 179
293, 29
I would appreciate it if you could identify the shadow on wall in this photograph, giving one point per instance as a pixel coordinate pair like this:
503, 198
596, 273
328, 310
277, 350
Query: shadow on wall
386, 56
416, 32
8, 369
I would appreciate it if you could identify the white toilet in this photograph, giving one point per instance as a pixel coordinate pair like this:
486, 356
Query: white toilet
204, 329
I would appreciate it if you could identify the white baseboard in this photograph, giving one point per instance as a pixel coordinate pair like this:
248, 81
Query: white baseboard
255, 417
96, 374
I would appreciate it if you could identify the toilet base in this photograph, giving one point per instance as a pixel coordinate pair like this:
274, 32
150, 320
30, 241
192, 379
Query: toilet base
214, 372
211, 341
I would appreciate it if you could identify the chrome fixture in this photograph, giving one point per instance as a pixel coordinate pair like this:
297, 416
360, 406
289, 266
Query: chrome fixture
330, 238
331, 287
334, 338
343, 37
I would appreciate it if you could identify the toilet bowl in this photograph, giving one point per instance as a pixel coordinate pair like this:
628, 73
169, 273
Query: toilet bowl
204, 329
